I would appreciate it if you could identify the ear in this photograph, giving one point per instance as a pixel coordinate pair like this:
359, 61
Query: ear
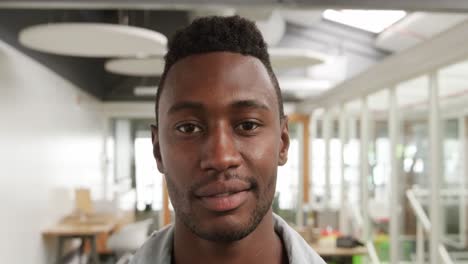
284, 142
156, 148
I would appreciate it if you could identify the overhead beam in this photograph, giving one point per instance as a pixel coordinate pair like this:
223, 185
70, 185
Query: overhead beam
421, 5
444, 49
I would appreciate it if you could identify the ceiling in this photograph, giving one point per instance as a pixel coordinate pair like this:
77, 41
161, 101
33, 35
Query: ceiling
89, 73
347, 51
338, 45
411, 5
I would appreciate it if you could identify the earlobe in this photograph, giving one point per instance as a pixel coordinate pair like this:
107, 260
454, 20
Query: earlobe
156, 148
284, 142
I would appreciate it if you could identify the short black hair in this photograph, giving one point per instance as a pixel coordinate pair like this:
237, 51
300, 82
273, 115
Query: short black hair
211, 34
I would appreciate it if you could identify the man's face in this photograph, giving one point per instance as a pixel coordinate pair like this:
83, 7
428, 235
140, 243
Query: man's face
219, 142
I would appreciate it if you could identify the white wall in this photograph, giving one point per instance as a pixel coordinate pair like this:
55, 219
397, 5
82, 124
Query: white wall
128, 109
51, 141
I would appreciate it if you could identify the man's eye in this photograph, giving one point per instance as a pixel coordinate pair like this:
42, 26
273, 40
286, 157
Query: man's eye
248, 126
188, 128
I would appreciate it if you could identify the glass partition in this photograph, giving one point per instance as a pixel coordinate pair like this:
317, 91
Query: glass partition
286, 201
453, 82
412, 97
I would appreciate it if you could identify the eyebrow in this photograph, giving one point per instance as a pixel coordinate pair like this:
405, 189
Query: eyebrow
250, 104
187, 105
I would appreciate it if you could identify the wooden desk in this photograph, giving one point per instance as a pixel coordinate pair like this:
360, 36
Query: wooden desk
84, 228
330, 251
341, 255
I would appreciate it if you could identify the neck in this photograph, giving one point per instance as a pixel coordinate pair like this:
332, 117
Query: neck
263, 245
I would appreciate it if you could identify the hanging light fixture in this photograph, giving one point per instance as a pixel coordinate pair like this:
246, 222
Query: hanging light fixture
144, 67
93, 40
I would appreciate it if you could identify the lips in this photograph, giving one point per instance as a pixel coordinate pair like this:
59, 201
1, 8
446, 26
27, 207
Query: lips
223, 196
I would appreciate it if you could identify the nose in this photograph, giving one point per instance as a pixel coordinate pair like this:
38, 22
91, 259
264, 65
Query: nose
220, 151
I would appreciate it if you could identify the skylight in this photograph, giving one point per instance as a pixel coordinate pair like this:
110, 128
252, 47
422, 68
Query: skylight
374, 21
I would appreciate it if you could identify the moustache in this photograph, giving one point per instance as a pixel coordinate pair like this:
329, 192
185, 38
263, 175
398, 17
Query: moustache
225, 181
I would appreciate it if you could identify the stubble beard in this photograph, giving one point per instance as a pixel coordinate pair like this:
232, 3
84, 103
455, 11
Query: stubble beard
185, 213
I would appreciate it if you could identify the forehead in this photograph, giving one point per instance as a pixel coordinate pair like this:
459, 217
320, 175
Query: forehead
217, 79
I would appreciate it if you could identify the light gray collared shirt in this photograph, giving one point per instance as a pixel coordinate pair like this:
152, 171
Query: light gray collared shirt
158, 248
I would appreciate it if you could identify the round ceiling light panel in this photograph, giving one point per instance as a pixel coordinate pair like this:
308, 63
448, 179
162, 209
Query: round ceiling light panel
285, 58
93, 40
146, 67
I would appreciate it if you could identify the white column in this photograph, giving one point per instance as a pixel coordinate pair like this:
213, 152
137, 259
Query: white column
462, 170
364, 163
107, 179
434, 166
343, 203
394, 197
300, 191
327, 135
353, 138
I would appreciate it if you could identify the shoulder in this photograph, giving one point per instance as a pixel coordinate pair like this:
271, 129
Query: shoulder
157, 247
298, 250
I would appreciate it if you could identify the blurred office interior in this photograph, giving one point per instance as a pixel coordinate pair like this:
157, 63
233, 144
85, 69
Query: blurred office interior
377, 98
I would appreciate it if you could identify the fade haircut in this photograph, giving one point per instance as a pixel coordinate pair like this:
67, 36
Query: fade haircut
214, 34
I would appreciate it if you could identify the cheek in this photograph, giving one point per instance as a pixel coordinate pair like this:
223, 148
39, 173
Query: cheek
178, 195
178, 157
262, 146
262, 159
263, 149
179, 164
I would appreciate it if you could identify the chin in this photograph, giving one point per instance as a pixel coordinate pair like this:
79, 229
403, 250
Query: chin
227, 232
223, 227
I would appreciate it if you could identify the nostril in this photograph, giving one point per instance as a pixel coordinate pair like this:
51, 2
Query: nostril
220, 162
221, 159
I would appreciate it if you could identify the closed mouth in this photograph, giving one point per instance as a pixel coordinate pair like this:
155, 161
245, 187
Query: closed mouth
222, 188
224, 202
223, 196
